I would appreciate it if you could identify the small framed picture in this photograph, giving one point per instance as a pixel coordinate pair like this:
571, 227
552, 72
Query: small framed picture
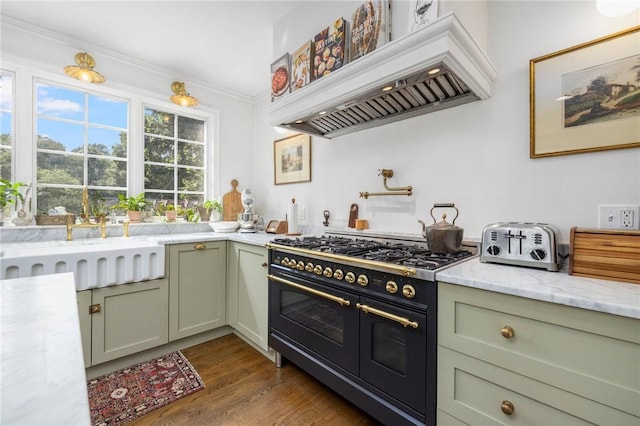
292, 159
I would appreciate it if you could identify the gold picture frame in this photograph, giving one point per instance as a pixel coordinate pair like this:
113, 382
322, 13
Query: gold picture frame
587, 97
292, 159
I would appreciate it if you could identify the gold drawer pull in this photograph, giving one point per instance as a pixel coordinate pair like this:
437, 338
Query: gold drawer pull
507, 407
199, 246
507, 332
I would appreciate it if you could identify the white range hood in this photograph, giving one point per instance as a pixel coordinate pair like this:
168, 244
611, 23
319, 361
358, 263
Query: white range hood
352, 99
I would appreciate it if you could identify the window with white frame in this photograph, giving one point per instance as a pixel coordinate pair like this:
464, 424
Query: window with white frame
174, 158
6, 124
82, 141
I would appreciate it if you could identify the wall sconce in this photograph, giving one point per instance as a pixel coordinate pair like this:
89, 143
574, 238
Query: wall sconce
181, 96
84, 69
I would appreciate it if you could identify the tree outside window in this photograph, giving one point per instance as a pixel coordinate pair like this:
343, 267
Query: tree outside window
81, 141
174, 158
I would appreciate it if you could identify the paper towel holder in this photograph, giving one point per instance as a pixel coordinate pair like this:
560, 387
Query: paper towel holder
294, 221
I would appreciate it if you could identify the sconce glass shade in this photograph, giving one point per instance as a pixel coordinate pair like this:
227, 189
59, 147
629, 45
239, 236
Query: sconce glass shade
84, 69
181, 97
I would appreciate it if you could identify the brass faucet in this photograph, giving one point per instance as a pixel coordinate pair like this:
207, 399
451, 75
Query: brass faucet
86, 223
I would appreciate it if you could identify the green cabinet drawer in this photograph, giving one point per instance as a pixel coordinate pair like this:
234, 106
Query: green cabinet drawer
474, 392
589, 353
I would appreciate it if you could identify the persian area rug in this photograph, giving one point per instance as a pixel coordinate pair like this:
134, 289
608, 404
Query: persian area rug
124, 395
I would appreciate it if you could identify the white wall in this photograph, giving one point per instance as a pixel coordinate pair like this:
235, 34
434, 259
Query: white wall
476, 155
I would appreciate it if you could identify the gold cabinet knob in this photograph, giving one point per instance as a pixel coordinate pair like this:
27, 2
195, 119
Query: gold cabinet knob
391, 287
408, 291
309, 267
350, 277
507, 407
328, 272
317, 270
199, 246
507, 332
264, 264
338, 274
363, 280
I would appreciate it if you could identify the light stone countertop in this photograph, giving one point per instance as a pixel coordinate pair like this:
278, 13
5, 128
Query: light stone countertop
606, 296
43, 377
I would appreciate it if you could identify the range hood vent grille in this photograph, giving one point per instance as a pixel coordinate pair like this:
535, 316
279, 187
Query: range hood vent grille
411, 97
353, 98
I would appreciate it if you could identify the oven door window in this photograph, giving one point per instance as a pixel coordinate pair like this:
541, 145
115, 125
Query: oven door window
315, 322
393, 357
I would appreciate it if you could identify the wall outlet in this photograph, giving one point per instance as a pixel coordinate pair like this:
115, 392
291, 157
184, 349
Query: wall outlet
619, 217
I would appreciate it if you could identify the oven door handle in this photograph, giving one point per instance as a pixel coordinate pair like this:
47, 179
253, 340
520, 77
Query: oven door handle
402, 320
340, 300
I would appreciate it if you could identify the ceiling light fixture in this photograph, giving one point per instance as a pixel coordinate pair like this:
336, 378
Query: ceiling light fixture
181, 97
84, 69
615, 8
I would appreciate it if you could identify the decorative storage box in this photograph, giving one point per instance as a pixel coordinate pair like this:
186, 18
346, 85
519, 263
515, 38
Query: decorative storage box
42, 219
606, 254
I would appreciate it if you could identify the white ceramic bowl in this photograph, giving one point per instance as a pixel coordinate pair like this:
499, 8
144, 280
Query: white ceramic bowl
224, 226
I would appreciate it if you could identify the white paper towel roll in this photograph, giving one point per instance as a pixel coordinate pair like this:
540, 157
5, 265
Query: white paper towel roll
292, 217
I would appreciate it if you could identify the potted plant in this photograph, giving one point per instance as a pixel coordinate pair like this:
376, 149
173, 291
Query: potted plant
9, 194
208, 208
170, 213
98, 207
133, 206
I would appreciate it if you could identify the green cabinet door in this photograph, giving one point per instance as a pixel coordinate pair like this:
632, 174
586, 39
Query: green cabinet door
197, 290
128, 318
84, 301
248, 296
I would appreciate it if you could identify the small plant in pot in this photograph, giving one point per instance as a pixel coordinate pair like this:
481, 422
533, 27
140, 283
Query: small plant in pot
134, 206
210, 208
9, 194
170, 213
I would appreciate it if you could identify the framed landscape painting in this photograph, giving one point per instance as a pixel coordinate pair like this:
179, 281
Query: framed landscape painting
292, 159
587, 97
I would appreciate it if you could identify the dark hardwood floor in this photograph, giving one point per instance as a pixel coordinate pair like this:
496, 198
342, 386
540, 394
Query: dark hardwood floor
245, 388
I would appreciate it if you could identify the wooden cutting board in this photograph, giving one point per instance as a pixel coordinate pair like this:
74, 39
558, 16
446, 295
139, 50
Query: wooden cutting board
605, 254
232, 203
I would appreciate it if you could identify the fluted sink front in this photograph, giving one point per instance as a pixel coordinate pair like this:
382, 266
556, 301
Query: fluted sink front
94, 262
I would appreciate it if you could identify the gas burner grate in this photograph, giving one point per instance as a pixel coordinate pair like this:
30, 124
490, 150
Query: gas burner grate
413, 255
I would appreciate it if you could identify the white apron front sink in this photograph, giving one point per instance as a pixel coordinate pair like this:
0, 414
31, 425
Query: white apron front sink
94, 262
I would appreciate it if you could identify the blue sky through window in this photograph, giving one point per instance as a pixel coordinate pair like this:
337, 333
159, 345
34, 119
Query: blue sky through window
61, 117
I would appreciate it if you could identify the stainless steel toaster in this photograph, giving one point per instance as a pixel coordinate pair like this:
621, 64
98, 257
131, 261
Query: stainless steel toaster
521, 243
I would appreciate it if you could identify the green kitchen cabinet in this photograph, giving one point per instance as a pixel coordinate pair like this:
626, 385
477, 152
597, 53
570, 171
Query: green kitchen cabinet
121, 320
197, 290
505, 359
248, 292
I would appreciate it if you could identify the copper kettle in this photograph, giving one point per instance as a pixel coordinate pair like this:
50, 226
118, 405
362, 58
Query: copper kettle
443, 237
